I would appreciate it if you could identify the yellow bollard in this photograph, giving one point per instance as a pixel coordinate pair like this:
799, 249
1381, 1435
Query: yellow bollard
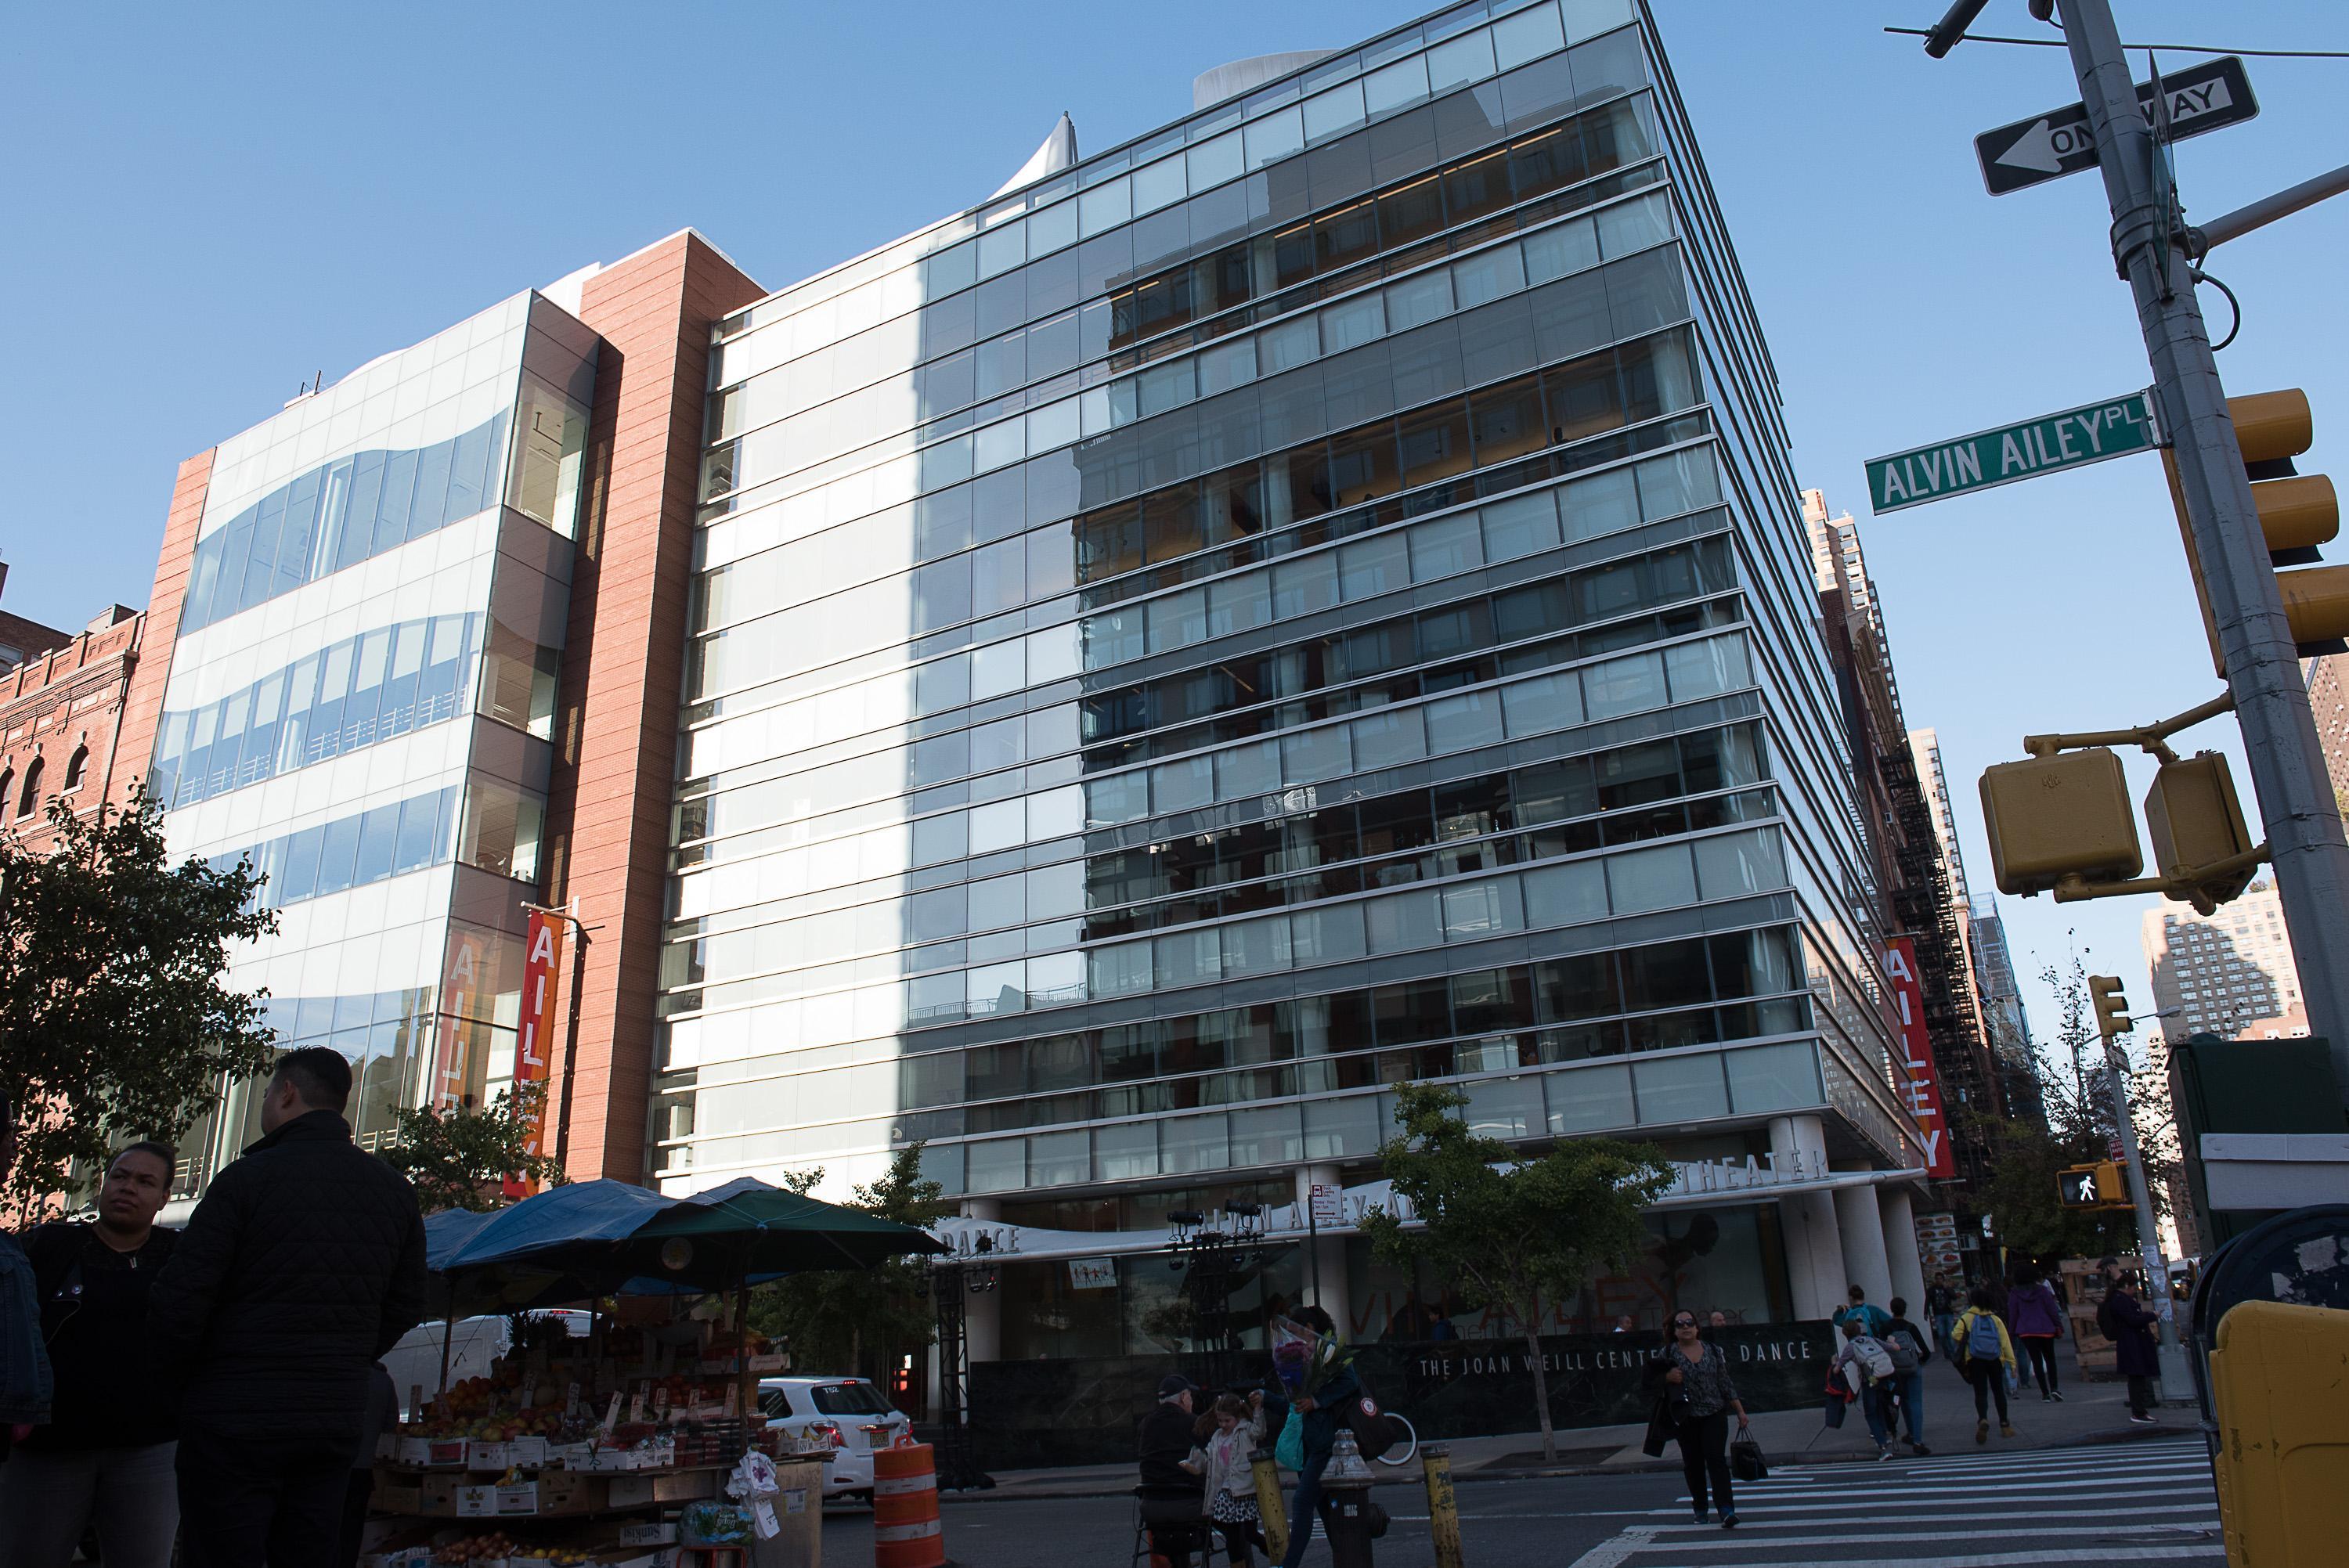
2284, 1455
1269, 1504
1443, 1508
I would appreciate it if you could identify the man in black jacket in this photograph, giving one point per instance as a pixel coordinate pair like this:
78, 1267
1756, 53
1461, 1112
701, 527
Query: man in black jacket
303, 1264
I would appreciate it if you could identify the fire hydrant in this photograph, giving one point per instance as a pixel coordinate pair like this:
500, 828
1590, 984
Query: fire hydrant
1354, 1520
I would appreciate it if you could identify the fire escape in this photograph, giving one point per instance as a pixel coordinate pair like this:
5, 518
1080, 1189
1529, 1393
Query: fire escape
1923, 907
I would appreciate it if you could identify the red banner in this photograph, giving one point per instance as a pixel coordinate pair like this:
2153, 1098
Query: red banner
1922, 1091
534, 1047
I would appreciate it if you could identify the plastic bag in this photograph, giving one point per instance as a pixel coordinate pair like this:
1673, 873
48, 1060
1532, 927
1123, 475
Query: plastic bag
1289, 1450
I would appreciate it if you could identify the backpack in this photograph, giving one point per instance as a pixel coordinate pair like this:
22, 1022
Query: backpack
1982, 1339
1873, 1359
1906, 1355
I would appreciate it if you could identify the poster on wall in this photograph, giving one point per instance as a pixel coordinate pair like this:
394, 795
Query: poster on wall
1937, 1242
1913, 1054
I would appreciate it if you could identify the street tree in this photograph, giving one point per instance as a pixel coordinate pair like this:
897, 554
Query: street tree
1514, 1233
2020, 1191
463, 1156
844, 1319
115, 1021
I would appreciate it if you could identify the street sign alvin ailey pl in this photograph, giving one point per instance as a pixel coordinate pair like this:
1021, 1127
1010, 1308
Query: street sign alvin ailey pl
2206, 97
2073, 439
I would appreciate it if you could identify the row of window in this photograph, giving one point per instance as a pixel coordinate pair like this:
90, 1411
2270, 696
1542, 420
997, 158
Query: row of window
1607, 786
1636, 381
1667, 875
1584, 988
1523, 525
338, 514
743, 580
1137, 225
29, 793
1293, 674
348, 695
487, 825
1432, 196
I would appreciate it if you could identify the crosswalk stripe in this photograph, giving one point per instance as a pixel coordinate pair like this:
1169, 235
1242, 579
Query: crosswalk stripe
2124, 1505
2043, 1508
2212, 1553
1926, 1487
1716, 1544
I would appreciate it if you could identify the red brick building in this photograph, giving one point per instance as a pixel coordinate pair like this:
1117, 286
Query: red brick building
61, 717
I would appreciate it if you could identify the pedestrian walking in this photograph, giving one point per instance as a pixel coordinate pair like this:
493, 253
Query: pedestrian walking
303, 1264
1173, 1504
2128, 1324
2036, 1319
1699, 1394
1321, 1413
104, 1456
1228, 1438
1941, 1308
1911, 1348
24, 1377
1989, 1361
1867, 1367
1872, 1319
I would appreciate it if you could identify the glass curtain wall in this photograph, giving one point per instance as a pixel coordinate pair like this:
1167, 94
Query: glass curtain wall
362, 693
1272, 612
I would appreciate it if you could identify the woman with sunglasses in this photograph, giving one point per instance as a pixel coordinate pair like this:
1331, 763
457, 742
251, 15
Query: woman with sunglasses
1699, 1390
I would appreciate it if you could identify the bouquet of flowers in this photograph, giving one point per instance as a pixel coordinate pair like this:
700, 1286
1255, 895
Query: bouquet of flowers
1303, 1358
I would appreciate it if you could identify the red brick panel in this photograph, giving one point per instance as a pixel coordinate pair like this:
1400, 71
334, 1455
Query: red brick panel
623, 678
142, 710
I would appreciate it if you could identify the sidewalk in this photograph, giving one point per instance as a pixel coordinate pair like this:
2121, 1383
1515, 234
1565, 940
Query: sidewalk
2090, 1413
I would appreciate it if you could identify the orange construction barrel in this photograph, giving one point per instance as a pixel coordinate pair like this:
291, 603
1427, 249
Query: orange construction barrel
906, 1532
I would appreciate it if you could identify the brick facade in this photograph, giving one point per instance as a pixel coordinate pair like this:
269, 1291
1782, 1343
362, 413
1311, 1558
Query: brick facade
143, 711
63, 708
623, 671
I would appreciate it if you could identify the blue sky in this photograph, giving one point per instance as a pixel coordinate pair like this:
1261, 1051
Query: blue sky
207, 205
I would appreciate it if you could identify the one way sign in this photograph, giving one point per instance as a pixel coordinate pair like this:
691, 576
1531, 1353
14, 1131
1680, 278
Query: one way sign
2207, 96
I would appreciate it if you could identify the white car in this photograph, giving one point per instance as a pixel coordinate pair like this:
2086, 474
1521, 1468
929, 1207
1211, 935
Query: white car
851, 1415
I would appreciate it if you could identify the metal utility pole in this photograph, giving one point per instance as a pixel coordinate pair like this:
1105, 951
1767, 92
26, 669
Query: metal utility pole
2176, 1377
2295, 796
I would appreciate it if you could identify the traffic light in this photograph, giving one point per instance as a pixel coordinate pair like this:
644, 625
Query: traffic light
2050, 818
2195, 820
2297, 512
2097, 1186
2112, 1007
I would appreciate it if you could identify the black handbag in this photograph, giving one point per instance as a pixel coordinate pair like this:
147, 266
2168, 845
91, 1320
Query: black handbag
1745, 1460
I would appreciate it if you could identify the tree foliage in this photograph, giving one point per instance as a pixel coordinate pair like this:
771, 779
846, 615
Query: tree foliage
2019, 1193
461, 1158
854, 1322
115, 1023
1514, 1233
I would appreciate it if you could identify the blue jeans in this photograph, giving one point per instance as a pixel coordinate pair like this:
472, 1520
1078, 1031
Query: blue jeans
1301, 1511
1941, 1327
1876, 1403
1908, 1387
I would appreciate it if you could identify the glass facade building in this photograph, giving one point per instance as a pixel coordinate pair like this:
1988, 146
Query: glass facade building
361, 695
1312, 598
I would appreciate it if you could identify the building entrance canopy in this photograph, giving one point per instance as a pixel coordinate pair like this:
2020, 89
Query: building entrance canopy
1696, 1183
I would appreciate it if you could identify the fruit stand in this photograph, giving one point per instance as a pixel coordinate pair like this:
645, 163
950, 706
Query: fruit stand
615, 1448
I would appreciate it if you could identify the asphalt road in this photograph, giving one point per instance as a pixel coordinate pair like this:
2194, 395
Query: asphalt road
2137, 1502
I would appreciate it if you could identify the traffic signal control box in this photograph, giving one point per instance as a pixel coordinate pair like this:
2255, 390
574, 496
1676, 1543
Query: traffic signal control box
2054, 817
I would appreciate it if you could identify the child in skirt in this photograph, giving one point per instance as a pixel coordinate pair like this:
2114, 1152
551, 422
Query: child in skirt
1227, 1436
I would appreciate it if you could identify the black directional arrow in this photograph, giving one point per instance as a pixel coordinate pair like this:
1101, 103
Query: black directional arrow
2205, 97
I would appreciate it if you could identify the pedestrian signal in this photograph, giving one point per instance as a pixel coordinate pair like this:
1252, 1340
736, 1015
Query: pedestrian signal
2097, 1186
2050, 818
